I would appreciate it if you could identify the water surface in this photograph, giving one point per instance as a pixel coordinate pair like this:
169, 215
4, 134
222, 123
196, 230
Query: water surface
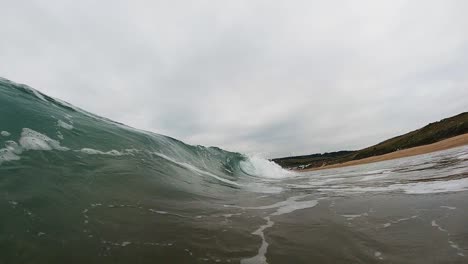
78, 188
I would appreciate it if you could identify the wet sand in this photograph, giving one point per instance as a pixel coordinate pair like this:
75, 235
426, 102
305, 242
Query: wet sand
441, 145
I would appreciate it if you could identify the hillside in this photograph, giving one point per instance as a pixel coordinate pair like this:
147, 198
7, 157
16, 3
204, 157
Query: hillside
431, 133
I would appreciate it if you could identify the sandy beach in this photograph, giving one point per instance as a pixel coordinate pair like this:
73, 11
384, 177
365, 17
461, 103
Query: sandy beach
441, 145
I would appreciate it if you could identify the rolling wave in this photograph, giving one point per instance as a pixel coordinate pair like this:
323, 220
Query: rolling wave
38, 129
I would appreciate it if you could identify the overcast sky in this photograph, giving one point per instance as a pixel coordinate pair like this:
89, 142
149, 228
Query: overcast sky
269, 77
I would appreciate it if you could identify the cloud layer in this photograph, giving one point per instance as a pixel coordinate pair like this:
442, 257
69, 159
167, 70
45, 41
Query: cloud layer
294, 77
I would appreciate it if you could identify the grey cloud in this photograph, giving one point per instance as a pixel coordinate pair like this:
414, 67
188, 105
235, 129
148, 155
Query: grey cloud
253, 76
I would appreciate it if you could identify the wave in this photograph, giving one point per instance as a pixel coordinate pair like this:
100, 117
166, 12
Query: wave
258, 166
44, 132
72, 181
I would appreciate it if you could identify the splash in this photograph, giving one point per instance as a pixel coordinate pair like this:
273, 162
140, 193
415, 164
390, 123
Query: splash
260, 167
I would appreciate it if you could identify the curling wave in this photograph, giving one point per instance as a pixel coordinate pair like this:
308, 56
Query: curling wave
38, 129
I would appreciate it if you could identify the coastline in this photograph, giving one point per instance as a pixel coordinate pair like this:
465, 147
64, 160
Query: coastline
448, 143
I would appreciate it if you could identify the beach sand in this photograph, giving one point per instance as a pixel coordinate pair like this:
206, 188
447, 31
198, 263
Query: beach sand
441, 145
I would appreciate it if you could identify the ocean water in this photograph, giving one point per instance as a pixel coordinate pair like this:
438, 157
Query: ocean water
79, 188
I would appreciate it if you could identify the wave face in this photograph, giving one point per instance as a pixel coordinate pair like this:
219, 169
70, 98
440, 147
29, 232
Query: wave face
40, 130
76, 187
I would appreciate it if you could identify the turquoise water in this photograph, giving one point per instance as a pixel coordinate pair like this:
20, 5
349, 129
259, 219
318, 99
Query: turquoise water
76, 187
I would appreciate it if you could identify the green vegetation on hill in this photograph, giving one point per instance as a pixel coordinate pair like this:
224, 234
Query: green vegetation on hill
443, 129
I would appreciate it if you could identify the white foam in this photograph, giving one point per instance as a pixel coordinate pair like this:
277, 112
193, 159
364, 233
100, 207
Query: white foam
457, 185
348, 189
436, 186
91, 151
316, 182
450, 242
378, 255
7, 154
260, 257
231, 215
59, 135
373, 177
295, 206
455, 246
13, 146
33, 140
261, 167
448, 207
158, 212
125, 243
353, 216
5, 133
434, 224
263, 188
112, 152
376, 172
284, 207
62, 124
30, 140
399, 220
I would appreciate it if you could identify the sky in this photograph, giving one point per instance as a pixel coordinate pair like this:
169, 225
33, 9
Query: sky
272, 78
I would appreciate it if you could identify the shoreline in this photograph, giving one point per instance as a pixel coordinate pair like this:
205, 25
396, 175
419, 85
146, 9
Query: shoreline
448, 143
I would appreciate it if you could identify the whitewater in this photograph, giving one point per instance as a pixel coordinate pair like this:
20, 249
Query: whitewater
76, 187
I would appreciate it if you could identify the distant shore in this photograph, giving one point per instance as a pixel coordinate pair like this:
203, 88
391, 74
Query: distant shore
452, 142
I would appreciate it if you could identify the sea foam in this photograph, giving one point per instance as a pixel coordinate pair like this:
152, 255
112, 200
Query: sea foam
257, 166
33, 140
284, 207
62, 124
457, 185
7, 155
91, 151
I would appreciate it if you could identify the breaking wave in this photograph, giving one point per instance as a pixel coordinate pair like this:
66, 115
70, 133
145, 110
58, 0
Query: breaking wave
36, 128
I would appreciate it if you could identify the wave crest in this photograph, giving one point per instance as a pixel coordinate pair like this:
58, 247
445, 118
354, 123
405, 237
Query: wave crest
260, 167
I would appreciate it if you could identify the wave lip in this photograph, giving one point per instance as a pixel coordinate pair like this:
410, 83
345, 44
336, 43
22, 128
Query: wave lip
263, 168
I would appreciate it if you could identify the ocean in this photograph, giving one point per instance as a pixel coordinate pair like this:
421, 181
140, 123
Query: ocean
79, 188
